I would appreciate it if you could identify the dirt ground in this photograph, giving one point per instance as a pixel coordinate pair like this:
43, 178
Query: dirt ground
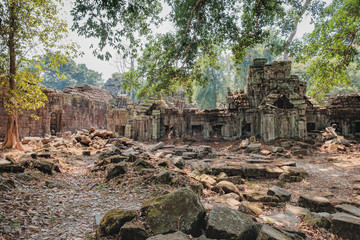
37, 210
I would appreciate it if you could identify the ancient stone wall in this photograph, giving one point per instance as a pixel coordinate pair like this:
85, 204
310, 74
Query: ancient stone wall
273, 105
75, 108
344, 111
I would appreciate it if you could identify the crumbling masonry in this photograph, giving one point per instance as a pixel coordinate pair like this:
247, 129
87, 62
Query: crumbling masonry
272, 106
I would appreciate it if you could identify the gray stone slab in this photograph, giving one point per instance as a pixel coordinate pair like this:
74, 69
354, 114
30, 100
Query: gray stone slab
347, 208
345, 226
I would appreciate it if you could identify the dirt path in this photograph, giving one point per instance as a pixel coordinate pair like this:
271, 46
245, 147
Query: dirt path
36, 211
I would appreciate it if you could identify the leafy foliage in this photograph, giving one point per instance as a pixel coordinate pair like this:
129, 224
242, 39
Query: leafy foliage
332, 46
68, 74
28, 28
114, 21
205, 27
171, 60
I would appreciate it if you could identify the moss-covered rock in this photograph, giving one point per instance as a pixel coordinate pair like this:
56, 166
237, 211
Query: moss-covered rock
180, 210
113, 220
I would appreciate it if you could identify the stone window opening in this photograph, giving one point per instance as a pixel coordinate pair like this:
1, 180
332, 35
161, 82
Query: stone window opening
283, 103
310, 126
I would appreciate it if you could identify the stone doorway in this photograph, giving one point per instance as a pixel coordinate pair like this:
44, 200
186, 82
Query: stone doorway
55, 122
197, 130
120, 130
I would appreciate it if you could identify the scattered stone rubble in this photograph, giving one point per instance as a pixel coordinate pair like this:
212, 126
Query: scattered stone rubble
220, 180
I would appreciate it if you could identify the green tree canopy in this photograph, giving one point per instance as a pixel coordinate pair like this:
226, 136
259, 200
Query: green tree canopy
201, 27
68, 74
332, 46
169, 60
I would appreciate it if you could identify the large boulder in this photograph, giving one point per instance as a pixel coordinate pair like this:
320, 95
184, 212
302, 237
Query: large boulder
11, 168
6, 184
141, 163
178, 162
254, 170
164, 177
4, 162
230, 199
207, 180
113, 220
226, 223
201, 167
250, 208
109, 153
155, 147
179, 210
350, 209
253, 147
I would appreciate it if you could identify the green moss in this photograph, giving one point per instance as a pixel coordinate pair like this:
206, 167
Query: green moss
114, 219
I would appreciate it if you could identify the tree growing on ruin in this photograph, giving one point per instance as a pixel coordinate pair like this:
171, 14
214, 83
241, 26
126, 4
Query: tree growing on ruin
27, 29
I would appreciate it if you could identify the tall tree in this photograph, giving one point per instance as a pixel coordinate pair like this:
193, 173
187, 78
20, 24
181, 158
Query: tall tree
26, 27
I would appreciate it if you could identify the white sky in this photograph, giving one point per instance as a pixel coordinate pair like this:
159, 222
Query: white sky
107, 68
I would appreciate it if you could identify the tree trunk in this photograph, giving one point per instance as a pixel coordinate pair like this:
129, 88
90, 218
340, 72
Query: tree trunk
12, 134
293, 33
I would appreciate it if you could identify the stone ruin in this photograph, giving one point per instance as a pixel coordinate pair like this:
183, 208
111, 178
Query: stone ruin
273, 105
72, 109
